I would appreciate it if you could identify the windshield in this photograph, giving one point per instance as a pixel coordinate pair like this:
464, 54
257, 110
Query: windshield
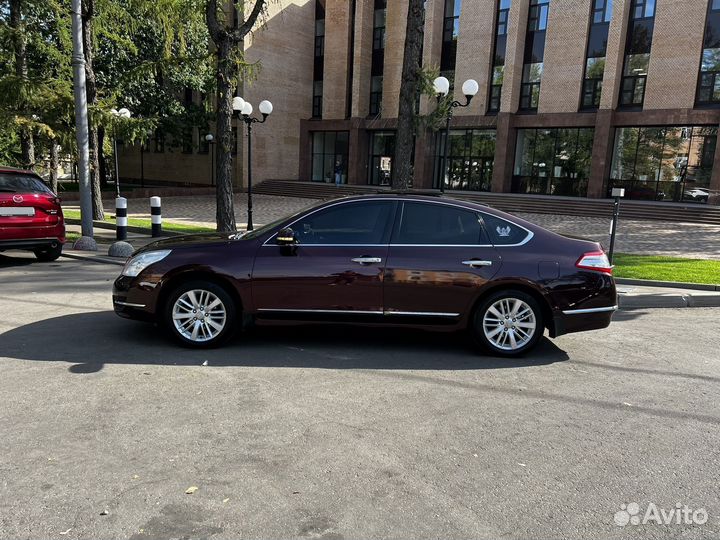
21, 183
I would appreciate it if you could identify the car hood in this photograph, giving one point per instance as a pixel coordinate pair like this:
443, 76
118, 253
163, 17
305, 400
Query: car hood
189, 241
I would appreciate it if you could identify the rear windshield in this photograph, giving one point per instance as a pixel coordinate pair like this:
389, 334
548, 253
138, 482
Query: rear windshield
21, 183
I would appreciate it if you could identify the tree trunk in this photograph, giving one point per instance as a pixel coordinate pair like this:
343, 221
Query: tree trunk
412, 66
229, 42
225, 214
54, 165
27, 143
102, 158
88, 12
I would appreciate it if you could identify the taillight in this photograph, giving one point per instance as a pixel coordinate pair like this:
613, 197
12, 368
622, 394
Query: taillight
595, 260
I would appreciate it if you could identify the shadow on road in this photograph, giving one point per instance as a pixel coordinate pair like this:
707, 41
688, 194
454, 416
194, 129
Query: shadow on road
91, 340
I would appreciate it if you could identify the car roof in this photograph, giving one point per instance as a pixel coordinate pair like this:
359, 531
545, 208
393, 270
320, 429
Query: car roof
436, 198
15, 170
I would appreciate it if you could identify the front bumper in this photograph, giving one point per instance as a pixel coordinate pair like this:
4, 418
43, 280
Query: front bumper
134, 299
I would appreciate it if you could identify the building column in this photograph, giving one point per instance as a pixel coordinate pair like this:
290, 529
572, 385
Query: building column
357, 154
395, 29
504, 153
362, 57
517, 29
337, 50
615, 54
602, 153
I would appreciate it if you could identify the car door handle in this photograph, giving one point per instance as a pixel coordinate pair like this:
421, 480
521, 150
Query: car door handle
475, 263
366, 260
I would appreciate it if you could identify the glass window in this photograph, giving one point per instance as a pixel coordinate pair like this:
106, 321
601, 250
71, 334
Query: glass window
499, 55
553, 161
708, 90
382, 152
21, 183
471, 155
672, 163
438, 224
538, 17
503, 233
353, 223
451, 30
330, 156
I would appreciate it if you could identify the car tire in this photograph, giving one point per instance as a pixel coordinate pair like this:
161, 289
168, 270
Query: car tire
49, 254
187, 320
507, 323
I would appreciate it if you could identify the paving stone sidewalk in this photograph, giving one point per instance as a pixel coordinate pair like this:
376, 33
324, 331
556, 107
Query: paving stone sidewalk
634, 236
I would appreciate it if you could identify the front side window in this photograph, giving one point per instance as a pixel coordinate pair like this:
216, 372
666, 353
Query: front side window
357, 223
438, 224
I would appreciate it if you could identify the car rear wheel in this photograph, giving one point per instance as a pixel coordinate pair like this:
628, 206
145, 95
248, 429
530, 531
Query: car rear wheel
508, 323
200, 314
50, 253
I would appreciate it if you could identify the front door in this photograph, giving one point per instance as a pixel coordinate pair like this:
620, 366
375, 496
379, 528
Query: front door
336, 267
439, 256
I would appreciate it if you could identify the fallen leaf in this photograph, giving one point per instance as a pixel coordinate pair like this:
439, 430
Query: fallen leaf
225, 500
191, 490
627, 404
65, 532
522, 464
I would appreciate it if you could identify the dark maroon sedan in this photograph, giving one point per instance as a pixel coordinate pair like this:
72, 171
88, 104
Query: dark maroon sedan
432, 262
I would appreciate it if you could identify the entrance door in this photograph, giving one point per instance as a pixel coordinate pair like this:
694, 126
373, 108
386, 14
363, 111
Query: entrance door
336, 267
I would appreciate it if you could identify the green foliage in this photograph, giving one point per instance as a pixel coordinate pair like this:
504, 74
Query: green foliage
661, 268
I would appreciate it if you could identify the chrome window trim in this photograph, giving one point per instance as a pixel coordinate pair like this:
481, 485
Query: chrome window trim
589, 310
529, 236
358, 312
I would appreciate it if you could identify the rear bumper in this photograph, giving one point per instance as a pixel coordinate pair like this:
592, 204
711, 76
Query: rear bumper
31, 243
582, 320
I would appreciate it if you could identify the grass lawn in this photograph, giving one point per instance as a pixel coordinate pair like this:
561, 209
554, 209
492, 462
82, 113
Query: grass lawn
145, 223
667, 268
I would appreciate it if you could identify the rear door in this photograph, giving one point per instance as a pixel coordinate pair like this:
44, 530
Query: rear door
439, 255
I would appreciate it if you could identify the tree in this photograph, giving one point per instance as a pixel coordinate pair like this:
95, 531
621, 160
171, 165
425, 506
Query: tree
229, 44
21, 72
409, 86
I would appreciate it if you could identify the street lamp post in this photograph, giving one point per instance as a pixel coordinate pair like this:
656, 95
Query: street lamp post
211, 142
470, 89
122, 113
244, 109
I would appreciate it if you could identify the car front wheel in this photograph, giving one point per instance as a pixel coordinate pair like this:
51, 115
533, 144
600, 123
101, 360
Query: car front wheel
508, 323
200, 314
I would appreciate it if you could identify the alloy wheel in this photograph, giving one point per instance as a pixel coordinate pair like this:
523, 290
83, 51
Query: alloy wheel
509, 324
199, 315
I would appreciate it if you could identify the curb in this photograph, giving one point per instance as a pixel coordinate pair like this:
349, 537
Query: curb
655, 301
669, 284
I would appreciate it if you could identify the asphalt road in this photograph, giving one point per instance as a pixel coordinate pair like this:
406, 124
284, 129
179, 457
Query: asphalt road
343, 433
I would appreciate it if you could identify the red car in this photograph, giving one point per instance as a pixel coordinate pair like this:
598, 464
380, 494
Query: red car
30, 215
430, 262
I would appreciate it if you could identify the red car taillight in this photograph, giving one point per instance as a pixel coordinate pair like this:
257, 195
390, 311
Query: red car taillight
595, 260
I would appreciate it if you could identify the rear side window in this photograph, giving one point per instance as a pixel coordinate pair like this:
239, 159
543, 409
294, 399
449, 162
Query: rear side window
346, 224
504, 233
438, 224
20, 183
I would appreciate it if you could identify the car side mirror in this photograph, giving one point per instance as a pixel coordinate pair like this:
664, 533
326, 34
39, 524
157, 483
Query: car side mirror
286, 237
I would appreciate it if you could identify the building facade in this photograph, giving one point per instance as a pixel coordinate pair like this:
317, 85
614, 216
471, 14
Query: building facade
576, 96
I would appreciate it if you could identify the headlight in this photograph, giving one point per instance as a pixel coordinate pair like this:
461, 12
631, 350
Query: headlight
139, 263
